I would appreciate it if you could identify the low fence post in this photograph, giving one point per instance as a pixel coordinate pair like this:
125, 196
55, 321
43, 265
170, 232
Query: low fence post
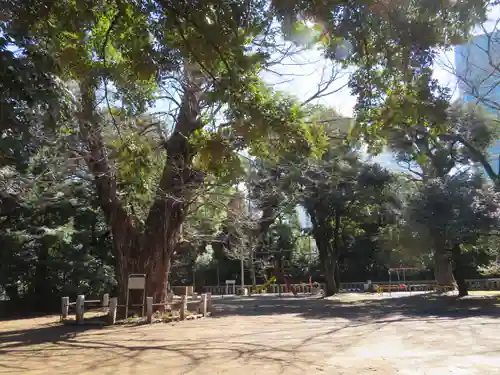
209, 302
113, 306
149, 309
105, 300
64, 307
80, 308
170, 297
204, 304
182, 311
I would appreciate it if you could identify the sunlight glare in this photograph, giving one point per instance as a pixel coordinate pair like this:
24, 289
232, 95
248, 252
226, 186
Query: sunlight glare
309, 23
343, 50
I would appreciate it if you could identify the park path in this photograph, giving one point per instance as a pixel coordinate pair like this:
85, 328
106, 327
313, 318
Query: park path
268, 336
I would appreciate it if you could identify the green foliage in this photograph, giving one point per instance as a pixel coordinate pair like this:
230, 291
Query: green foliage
456, 211
138, 168
32, 102
393, 47
492, 269
55, 246
95, 41
206, 60
217, 156
461, 139
139, 48
280, 240
349, 202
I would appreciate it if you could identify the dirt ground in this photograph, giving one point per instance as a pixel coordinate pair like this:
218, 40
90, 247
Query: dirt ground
350, 335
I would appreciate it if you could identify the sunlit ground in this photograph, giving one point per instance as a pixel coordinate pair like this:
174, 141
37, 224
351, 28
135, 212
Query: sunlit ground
485, 293
398, 334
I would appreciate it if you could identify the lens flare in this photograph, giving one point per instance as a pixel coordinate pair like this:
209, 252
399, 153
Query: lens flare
343, 50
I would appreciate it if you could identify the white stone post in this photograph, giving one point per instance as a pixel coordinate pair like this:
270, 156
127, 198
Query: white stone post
105, 300
204, 304
182, 311
209, 302
80, 308
113, 306
170, 297
64, 307
149, 309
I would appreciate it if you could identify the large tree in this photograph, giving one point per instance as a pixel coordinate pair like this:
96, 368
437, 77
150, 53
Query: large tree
140, 48
440, 148
344, 199
453, 212
203, 60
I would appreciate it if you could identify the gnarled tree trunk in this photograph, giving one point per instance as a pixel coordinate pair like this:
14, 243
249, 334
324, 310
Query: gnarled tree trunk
330, 266
148, 252
443, 270
328, 259
458, 270
167, 214
328, 255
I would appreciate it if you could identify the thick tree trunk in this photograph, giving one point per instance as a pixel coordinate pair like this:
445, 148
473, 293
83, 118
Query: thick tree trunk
443, 270
458, 271
329, 261
331, 285
167, 214
327, 255
178, 181
269, 214
125, 241
148, 252
157, 247
123, 232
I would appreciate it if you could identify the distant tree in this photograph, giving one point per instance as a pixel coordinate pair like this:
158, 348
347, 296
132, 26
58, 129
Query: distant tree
116, 60
453, 214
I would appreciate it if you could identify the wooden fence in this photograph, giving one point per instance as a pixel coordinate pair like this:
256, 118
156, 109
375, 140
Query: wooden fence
473, 284
182, 304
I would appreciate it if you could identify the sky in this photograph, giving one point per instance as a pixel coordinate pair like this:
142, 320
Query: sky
300, 75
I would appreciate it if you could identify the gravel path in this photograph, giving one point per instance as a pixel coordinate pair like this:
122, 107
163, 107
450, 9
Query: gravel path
271, 335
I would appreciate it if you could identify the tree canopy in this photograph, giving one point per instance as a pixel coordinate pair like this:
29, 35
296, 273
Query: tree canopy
142, 124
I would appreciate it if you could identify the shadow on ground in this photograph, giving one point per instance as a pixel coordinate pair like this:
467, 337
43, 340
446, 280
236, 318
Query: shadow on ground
194, 353
416, 306
387, 310
89, 348
20, 348
49, 333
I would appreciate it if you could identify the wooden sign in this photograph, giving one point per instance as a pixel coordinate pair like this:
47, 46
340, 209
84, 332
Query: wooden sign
136, 282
